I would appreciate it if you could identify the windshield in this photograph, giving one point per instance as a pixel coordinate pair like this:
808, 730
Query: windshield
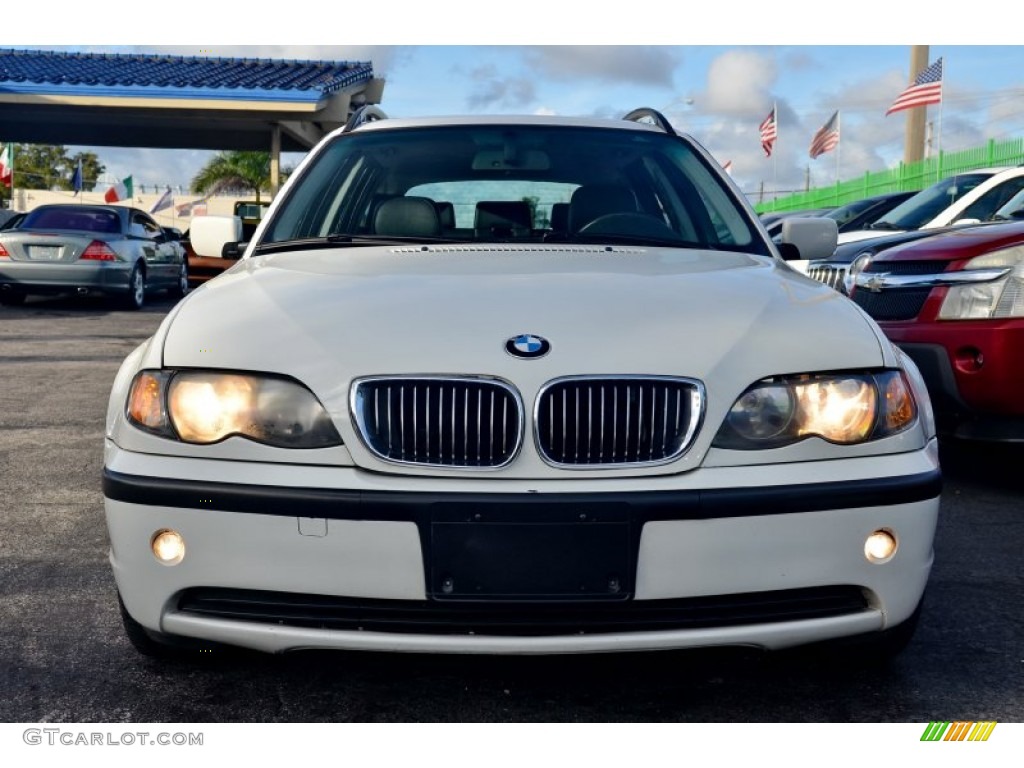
929, 203
1012, 208
846, 212
512, 184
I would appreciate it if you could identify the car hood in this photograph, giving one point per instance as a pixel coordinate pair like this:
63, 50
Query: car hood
327, 317
958, 244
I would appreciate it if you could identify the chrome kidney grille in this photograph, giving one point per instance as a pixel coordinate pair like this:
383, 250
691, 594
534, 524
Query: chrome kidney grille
439, 421
595, 422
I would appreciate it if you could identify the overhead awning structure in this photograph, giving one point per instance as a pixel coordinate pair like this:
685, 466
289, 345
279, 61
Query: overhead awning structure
176, 102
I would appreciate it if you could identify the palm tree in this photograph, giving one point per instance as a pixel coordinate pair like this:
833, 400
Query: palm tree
234, 172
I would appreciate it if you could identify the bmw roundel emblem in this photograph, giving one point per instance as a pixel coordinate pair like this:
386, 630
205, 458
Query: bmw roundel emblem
528, 346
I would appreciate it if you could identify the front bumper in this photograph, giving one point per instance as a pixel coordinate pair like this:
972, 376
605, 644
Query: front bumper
286, 566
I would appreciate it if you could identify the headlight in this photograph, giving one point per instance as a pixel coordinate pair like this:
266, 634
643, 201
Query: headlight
858, 265
206, 407
840, 408
999, 298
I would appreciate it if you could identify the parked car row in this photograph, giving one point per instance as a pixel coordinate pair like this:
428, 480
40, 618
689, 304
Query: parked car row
954, 303
850, 217
943, 275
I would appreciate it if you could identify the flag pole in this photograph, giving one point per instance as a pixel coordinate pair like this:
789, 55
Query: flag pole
839, 149
942, 98
775, 156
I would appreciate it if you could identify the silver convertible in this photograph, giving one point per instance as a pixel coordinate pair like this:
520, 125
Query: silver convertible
83, 249
518, 385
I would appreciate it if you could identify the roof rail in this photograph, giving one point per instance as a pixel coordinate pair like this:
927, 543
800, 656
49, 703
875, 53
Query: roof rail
368, 113
656, 117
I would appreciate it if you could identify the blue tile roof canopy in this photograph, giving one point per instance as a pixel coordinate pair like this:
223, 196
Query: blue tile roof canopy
126, 75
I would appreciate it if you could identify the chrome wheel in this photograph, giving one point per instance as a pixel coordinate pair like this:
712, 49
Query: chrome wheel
136, 297
182, 287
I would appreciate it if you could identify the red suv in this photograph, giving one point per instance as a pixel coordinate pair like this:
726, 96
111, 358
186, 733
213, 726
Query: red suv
955, 304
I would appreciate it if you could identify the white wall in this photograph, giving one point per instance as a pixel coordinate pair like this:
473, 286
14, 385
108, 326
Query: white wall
219, 205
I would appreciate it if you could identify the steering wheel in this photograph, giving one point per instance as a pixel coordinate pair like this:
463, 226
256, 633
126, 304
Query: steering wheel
638, 224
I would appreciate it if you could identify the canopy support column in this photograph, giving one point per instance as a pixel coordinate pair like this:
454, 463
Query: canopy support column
275, 160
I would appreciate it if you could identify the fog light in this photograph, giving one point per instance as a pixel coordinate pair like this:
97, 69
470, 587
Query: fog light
880, 546
168, 547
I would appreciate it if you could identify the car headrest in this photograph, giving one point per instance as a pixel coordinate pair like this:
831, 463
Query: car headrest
407, 217
560, 217
446, 213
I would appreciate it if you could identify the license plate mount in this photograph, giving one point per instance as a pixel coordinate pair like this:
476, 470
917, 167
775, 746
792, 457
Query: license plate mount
581, 554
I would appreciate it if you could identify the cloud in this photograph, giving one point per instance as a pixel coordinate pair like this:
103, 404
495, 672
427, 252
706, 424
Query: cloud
640, 65
739, 83
492, 91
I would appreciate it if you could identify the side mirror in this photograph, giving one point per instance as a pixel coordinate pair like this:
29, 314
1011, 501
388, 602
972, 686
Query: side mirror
813, 239
211, 234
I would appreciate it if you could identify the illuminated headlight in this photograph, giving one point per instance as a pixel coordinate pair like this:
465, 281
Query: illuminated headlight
857, 266
206, 407
998, 298
841, 408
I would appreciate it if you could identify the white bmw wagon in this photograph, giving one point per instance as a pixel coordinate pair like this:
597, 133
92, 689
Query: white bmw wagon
533, 385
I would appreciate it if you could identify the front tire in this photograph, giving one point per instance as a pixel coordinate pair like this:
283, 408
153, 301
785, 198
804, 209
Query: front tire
874, 650
156, 645
145, 642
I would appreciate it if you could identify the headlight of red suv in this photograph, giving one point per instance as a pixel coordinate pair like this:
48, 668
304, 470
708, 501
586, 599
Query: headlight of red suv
1003, 297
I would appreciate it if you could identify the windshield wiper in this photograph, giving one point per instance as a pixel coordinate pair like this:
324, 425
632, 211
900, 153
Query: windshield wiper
342, 239
883, 225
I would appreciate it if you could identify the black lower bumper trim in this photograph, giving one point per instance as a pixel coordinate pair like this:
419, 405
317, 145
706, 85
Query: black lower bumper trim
520, 619
420, 507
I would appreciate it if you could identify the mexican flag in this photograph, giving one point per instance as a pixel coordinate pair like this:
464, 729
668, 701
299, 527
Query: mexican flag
120, 191
6, 164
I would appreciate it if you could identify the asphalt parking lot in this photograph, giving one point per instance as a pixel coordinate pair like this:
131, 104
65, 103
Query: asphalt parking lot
63, 656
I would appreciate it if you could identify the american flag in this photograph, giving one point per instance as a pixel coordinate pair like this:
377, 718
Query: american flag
926, 89
827, 137
769, 132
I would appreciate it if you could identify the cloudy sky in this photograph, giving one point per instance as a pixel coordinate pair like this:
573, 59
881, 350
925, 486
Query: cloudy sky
719, 93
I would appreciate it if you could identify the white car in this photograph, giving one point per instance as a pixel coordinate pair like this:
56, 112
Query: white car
966, 198
518, 386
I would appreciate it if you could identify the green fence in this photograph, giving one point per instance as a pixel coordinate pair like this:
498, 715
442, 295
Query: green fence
904, 178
